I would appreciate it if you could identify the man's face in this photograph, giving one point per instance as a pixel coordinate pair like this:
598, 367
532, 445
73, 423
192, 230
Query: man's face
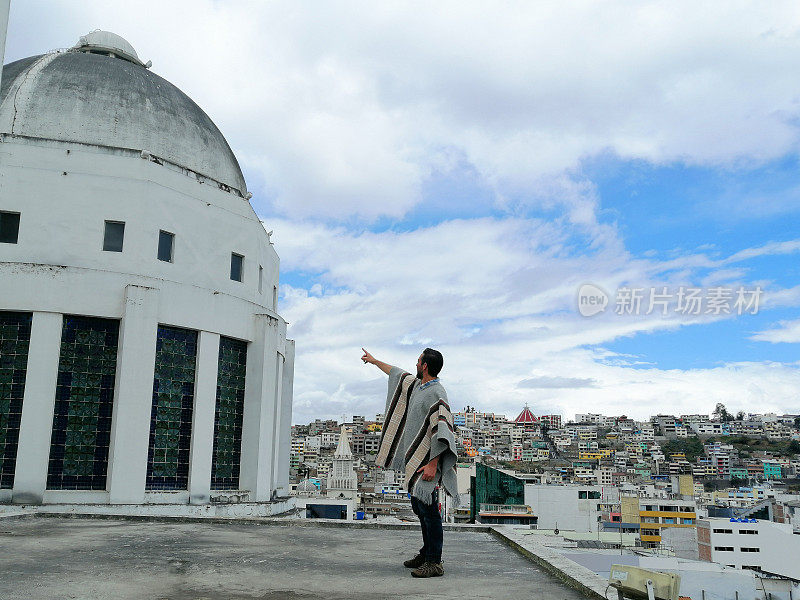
419, 367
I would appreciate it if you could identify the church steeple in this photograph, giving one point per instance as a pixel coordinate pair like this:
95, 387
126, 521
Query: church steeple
343, 447
342, 480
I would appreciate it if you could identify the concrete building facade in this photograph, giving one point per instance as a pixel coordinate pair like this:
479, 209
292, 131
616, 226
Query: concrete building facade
750, 544
569, 508
143, 358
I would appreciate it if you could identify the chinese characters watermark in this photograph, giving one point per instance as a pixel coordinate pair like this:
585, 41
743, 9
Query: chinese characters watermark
684, 300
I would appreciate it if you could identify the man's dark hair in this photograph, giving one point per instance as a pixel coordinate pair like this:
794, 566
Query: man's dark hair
434, 360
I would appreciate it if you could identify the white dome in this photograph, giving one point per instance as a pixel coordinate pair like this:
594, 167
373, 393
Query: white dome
99, 41
99, 93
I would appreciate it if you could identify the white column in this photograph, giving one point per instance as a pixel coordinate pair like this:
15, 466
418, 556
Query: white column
276, 421
205, 400
285, 423
38, 404
260, 398
133, 396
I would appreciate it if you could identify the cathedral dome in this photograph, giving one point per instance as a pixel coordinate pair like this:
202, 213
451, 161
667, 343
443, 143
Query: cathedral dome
100, 93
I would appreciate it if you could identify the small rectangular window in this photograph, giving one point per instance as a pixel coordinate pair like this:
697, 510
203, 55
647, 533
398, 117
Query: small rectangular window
723, 548
274, 297
9, 227
166, 243
260, 279
114, 234
237, 266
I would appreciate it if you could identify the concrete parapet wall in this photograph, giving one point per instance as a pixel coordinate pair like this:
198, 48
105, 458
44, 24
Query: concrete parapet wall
160, 511
571, 573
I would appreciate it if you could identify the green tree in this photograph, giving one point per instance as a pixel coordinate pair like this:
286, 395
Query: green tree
722, 414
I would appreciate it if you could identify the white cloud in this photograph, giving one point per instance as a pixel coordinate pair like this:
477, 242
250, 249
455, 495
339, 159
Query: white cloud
345, 108
769, 249
341, 111
787, 332
498, 298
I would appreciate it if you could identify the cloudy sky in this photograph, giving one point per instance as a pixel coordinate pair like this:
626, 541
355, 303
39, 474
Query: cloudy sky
449, 174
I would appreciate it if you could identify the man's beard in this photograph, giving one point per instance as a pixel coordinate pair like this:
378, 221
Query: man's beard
419, 373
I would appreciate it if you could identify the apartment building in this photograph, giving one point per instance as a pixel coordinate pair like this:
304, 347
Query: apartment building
566, 507
695, 419
552, 421
762, 546
665, 424
657, 514
595, 419
298, 445
329, 439
710, 428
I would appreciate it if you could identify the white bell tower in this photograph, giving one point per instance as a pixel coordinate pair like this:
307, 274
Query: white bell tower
342, 481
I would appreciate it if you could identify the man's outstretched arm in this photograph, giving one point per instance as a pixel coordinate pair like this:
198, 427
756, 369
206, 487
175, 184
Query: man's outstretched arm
368, 358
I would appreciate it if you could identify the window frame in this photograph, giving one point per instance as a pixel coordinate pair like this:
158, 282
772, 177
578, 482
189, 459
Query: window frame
171, 246
241, 267
11, 213
106, 223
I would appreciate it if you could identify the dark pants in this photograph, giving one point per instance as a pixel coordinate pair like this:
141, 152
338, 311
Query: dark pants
431, 522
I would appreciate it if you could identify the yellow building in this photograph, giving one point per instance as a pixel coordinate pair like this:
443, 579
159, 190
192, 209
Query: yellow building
629, 509
595, 454
656, 514
686, 485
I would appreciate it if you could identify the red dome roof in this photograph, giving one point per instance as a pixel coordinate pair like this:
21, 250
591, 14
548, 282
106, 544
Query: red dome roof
526, 416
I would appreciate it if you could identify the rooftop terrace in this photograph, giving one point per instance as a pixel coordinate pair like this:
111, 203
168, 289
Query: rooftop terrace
99, 559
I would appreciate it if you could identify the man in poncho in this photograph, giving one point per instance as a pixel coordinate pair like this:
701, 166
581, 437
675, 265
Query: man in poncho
418, 440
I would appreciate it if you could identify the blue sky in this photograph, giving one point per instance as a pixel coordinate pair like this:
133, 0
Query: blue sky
436, 174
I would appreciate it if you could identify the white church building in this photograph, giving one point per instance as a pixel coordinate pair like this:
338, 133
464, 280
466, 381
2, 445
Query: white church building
142, 358
342, 479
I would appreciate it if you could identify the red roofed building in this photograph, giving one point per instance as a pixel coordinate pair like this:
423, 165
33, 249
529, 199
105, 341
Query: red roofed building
526, 417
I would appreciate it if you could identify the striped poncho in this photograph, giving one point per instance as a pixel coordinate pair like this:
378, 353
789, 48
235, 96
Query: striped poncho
418, 427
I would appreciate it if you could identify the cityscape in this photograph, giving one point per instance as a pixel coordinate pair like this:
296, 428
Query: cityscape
672, 487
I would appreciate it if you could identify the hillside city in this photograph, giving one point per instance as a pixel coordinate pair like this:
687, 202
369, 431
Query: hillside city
660, 486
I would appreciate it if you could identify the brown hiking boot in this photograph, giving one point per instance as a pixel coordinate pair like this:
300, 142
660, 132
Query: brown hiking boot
428, 569
413, 563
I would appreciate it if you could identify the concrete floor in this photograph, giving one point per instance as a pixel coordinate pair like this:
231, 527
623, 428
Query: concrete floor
58, 558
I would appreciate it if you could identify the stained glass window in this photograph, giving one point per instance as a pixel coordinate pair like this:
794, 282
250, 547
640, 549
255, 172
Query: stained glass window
87, 366
171, 416
15, 335
228, 414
